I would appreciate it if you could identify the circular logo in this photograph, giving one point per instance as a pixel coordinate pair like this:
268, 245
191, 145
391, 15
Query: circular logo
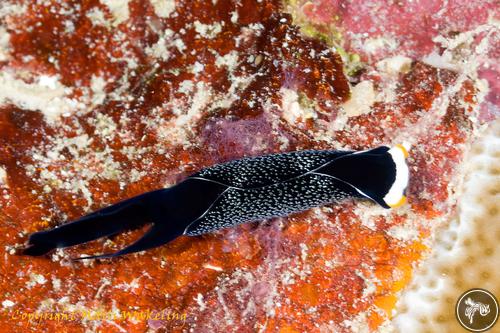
477, 310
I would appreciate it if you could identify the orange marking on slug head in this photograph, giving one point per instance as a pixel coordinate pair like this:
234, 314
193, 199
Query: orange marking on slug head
405, 152
400, 203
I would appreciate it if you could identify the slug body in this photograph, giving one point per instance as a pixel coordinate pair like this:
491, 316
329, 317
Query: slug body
240, 191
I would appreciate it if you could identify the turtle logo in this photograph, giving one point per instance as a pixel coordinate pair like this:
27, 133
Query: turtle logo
477, 310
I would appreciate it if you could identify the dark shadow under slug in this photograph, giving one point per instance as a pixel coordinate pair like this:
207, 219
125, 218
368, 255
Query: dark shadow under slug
240, 191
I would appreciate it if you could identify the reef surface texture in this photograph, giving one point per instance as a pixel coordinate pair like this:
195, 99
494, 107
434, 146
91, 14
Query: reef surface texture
101, 101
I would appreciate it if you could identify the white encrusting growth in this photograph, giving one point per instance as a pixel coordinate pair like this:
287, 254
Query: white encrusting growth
395, 65
3, 176
376, 44
208, 31
186, 114
293, 112
4, 43
230, 60
160, 48
163, 8
362, 98
35, 279
405, 232
47, 95
119, 10
215, 268
97, 86
8, 303
396, 192
96, 16
201, 303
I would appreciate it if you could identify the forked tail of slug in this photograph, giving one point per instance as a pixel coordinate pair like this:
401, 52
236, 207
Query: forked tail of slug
125, 215
168, 210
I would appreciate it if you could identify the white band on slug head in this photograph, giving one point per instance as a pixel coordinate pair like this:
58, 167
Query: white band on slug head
396, 197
